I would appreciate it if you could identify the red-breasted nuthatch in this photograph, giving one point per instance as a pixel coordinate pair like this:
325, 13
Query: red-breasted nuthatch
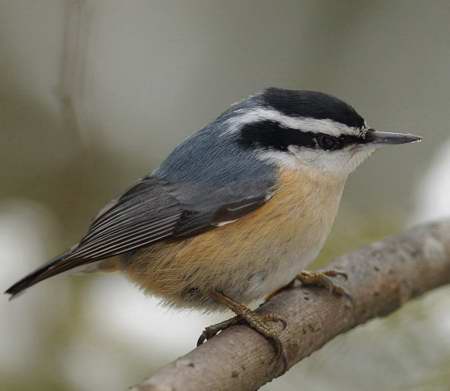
237, 210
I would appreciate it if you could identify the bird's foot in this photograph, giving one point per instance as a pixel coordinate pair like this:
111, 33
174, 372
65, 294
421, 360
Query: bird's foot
215, 329
324, 279
258, 322
321, 279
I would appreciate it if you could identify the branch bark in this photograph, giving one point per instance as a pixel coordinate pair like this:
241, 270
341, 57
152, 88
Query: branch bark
381, 278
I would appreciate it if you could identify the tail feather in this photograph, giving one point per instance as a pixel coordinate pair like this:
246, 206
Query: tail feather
52, 268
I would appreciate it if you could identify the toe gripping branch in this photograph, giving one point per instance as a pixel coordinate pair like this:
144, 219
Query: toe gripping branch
324, 279
261, 323
258, 322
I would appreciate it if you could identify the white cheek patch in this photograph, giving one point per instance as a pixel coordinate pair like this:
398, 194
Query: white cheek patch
326, 126
281, 159
341, 162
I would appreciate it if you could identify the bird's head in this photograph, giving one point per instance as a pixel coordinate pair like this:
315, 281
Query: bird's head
305, 128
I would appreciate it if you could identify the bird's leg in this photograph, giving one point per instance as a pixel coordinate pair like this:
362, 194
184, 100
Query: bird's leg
324, 279
244, 315
321, 279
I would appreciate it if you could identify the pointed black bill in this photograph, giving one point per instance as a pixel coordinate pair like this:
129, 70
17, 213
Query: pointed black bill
376, 137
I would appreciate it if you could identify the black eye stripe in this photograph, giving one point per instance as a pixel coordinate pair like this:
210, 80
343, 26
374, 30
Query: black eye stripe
270, 134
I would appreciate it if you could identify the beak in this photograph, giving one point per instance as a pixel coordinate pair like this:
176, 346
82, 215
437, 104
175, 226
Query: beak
376, 137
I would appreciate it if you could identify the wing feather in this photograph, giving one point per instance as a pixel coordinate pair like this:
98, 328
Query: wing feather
148, 212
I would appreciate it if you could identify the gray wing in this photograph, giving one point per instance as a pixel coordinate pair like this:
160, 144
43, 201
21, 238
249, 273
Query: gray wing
155, 210
150, 211
144, 214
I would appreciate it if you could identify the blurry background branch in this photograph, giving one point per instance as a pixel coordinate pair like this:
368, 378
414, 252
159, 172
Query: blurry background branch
381, 277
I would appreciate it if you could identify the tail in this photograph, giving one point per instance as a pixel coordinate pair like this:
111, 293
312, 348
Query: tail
56, 266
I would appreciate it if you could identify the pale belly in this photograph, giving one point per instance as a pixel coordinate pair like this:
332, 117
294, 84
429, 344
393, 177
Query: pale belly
280, 272
247, 259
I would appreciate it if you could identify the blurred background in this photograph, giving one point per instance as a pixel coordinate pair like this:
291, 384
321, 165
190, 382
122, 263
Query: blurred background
95, 93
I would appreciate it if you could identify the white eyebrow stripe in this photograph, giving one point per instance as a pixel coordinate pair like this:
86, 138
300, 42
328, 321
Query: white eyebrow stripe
305, 124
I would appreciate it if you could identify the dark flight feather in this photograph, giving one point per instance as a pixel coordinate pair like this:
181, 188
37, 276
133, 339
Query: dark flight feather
147, 213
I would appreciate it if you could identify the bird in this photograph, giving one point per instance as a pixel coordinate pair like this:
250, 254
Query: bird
236, 211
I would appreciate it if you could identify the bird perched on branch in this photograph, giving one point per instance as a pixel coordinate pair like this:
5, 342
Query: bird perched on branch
236, 211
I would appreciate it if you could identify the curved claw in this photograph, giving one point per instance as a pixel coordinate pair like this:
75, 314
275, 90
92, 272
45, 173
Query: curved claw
204, 336
280, 355
215, 329
258, 323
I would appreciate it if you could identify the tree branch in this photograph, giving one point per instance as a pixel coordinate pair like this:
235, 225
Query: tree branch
381, 277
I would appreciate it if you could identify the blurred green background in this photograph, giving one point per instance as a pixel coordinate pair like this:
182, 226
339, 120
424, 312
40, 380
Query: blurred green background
94, 93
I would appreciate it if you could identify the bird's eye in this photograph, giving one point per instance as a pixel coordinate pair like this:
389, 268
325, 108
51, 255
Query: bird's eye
328, 143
